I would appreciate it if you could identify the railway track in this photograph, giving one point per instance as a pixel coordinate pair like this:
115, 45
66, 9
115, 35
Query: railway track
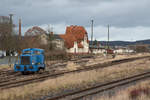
19, 76
53, 66
3, 72
11, 75
12, 82
83, 93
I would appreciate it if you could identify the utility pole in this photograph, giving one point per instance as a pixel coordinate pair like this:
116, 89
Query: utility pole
92, 21
9, 39
108, 38
10, 18
10, 22
19, 38
52, 31
19, 29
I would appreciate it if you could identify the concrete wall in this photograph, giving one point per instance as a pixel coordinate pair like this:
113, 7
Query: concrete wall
43, 39
74, 49
122, 51
2, 52
59, 44
98, 51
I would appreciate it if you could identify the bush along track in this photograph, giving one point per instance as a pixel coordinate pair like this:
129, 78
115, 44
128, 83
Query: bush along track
9, 83
79, 94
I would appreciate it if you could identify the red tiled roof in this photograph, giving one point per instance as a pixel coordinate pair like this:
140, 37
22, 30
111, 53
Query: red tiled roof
69, 40
74, 33
78, 31
34, 31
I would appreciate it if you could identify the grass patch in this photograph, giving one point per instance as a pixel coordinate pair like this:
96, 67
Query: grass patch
141, 91
72, 66
6, 66
103, 59
76, 80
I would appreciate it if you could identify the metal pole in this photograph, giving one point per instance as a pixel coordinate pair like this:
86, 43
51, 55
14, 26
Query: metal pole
10, 18
92, 32
10, 22
11, 30
108, 37
19, 29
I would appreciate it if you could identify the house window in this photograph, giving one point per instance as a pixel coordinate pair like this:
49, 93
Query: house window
75, 50
85, 38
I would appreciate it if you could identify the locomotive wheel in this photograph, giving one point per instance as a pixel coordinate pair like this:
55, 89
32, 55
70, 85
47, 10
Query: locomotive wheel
41, 70
24, 73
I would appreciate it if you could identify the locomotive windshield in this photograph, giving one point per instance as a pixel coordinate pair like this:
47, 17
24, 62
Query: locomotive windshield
27, 52
25, 60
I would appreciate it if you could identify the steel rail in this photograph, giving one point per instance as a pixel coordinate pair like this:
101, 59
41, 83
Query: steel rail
10, 84
78, 94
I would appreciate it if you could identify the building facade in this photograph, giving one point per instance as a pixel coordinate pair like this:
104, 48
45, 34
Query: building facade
76, 40
39, 36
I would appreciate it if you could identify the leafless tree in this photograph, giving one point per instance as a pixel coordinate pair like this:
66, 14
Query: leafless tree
7, 35
141, 48
30, 42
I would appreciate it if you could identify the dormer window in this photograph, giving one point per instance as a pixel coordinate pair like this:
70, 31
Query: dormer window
85, 38
75, 43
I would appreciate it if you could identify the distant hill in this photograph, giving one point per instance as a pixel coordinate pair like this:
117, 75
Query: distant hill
124, 43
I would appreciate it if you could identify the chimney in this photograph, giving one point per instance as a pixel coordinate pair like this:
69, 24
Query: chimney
19, 28
10, 18
10, 22
51, 33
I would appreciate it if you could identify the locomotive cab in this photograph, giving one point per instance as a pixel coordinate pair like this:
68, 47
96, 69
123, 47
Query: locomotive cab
31, 60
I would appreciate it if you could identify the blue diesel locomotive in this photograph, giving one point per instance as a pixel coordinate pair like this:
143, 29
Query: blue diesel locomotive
31, 60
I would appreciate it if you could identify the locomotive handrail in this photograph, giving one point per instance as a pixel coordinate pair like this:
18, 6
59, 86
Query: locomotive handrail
32, 50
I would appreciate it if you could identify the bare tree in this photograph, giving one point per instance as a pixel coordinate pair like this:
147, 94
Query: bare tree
51, 45
30, 42
141, 48
7, 35
8, 38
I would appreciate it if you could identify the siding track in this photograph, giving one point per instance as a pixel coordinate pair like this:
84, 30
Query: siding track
80, 94
14, 81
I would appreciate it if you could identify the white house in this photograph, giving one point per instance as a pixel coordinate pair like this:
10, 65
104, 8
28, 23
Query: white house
76, 40
2, 53
123, 50
98, 50
36, 33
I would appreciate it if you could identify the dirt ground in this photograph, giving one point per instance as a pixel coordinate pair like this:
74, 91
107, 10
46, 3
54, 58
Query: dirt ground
103, 58
76, 80
97, 59
70, 65
140, 91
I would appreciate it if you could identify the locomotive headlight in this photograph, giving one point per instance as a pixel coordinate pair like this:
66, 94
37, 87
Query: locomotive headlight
25, 67
31, 67
17, 67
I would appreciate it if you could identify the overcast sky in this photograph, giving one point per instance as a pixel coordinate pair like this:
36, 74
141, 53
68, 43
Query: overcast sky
128, 19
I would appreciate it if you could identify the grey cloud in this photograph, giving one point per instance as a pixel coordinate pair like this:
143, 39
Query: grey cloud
116, 12
120, 14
